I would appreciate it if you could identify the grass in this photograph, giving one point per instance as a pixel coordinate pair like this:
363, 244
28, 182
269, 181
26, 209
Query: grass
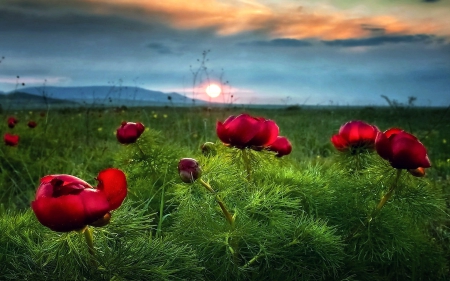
301, 217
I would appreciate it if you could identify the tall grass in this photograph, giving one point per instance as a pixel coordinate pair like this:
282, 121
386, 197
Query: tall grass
297, 219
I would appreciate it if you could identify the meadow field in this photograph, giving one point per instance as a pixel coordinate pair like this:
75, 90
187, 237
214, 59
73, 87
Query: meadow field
308, 215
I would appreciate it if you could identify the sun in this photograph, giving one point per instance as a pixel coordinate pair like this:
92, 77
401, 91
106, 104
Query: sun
213, 90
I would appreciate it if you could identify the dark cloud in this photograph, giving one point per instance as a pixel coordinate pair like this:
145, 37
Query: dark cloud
381, 40
160, 48
281, 42
430, 1
373, 29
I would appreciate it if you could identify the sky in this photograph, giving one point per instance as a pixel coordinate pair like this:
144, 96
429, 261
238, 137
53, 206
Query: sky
316, 52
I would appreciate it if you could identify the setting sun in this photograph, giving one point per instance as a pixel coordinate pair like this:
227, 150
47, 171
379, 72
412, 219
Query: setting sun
213, 90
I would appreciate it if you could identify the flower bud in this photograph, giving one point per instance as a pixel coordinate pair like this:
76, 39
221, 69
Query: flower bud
208, 149
189, 170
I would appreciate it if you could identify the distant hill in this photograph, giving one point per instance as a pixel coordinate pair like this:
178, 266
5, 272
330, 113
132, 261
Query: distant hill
107, 94
20, 100
36, 97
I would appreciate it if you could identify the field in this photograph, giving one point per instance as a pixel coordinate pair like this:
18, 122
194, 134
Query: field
303, 216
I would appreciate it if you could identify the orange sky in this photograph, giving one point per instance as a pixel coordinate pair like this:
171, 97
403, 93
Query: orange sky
286, 19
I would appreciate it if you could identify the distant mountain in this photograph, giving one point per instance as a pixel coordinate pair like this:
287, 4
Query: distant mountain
108, 95
19, 100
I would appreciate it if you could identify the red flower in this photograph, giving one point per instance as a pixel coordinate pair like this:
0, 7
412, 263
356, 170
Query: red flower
189, 170
247, 131
281, 146
11, 140
12, 121
65, 203
355, 134
402, 150
129, 132
32, 124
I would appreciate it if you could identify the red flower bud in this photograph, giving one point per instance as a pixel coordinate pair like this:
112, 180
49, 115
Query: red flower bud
10, 139
355, 134
65, 203
189, 170
129, 132
12, 121
32, 124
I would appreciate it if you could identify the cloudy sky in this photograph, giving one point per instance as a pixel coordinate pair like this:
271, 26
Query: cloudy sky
346, 52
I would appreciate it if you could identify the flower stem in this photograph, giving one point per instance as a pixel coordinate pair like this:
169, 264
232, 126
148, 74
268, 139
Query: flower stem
161, 209
225, 211
140, 149
246, 158
387, 196
90, 242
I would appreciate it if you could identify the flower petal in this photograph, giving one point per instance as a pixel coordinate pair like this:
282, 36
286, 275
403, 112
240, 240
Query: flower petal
268, 133
65, 213
113, 183
339, 142
222, 133
383, 146
392, 131
46, 188
281, 145
408, 152
242, 129
367, 133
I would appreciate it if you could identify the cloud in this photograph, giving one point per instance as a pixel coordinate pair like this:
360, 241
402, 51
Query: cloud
281, 42
381, 40
160, 48
283, 20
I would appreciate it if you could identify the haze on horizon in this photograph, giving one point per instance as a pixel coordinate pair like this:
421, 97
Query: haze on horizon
344, 52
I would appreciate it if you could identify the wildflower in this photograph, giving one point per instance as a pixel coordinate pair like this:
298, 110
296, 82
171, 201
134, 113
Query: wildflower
402, 150
32, 124
189, 170
354, 135
10, 139
129, 132
12, 121
281, 146
246, 131
65, 203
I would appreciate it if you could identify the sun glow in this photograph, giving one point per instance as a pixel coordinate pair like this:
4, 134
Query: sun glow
213, 90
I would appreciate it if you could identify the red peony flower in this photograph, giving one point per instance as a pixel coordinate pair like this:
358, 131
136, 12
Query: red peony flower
32, 124
189, 170
355, 134
10, 139
129, 132
281, 146
12, 121
402, 150
65, 203
247, 131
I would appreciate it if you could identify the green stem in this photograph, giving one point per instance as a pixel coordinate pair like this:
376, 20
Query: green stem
140, 149
161, 209
247, 164
90, 242
225, 211
387, 196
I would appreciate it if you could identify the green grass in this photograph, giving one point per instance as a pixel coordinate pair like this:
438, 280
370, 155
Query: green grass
300, 217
